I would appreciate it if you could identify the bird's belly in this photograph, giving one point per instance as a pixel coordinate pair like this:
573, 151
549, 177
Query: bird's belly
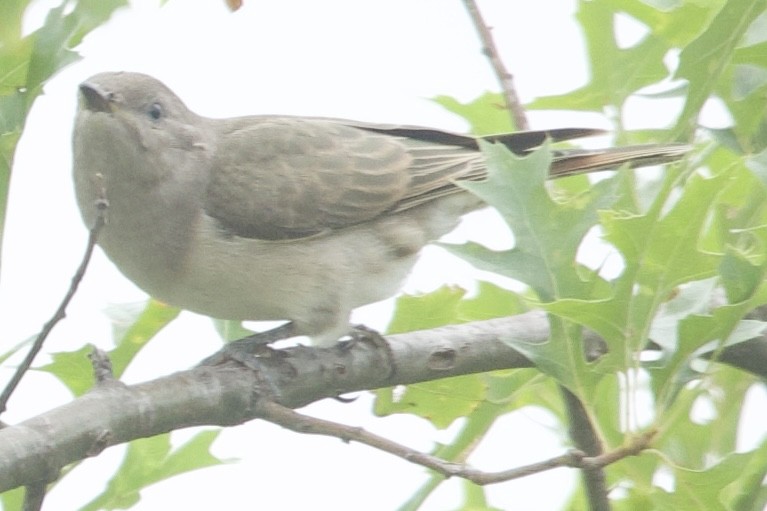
314, 282
238, 278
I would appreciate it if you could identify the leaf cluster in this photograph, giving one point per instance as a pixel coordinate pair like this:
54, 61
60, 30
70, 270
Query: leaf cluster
690, 246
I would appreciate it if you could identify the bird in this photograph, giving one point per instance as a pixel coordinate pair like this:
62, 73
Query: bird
267, 217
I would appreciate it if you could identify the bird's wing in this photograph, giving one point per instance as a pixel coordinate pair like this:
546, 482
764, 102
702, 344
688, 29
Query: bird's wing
284, 178
440, 158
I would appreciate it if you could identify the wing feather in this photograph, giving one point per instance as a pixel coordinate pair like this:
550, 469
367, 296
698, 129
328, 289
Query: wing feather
283, 178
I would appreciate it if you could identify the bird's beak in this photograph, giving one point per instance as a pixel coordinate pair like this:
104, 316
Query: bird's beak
96, 99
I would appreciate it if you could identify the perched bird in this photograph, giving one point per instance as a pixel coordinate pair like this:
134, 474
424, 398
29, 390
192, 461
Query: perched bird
279, 218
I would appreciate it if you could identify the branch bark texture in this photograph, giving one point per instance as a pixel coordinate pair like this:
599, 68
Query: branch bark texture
113, 413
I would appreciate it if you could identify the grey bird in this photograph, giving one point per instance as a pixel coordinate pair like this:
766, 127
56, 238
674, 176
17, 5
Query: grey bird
274, 217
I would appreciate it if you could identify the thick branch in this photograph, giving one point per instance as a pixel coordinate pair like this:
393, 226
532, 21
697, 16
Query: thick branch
113, 413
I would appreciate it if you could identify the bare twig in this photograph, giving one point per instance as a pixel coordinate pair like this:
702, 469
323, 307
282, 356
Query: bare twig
300, 423
505, 78
633, 448
60, 313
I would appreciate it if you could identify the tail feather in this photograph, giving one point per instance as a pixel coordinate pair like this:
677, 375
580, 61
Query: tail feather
522, 142
579, 161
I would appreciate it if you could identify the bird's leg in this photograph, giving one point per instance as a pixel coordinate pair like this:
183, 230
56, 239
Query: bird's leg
362, 333
247, 349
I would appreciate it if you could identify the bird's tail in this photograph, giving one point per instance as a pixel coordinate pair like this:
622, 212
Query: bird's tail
578, 161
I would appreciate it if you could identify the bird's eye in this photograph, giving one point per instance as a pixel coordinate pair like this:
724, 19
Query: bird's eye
155, 111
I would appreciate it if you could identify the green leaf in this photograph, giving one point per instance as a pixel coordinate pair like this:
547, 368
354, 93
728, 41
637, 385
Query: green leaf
89, 15
730, 484
443, 401
421, 312
694, 299
748, 80
757, 163
26, 63
440, 402
73, 369
12, 117
63, 30
661, 251
478, 399
50, 50
616, 72
11, 12
755, 54
547, 232
15, 349
675, 21
231, 330
740, 277
133, 327
702, 423
487, 114
490, 301
475, 427
517, 388
151, 460
448, 305
13, 500
667, 245
475, 498
704, 61
743, 493
699, 334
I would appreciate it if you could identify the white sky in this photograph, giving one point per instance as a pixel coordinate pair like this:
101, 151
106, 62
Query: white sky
374, 61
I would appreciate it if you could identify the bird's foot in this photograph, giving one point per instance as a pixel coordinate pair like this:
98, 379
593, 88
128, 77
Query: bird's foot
362, 333
248, 349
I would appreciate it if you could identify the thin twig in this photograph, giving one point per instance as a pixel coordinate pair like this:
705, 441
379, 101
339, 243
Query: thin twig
60, 313
635, 447
505, 78
300, 423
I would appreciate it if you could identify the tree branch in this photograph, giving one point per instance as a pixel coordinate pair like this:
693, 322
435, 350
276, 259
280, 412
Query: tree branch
505, 78
299, 423
113, 413
586, 440
34, 494
101, 206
